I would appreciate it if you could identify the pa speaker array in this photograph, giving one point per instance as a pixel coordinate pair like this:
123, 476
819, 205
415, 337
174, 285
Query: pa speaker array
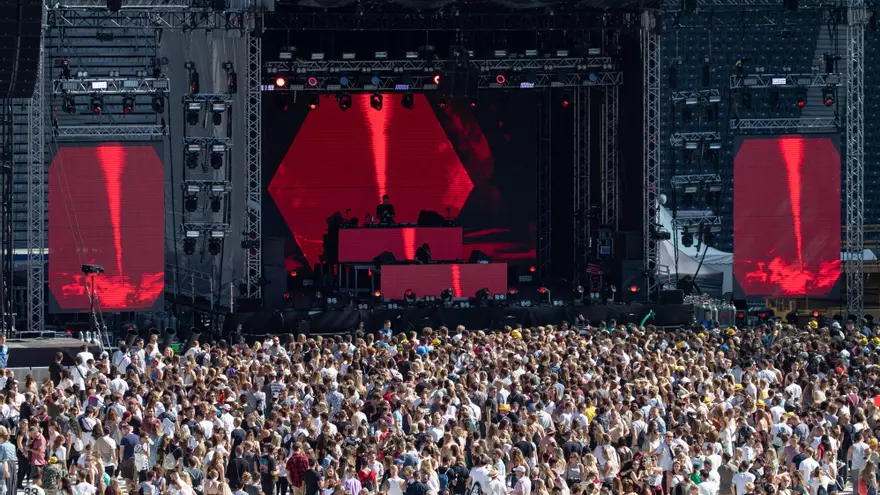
20, 37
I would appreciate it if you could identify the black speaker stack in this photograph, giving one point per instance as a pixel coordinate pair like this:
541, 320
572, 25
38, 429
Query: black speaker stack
20, 25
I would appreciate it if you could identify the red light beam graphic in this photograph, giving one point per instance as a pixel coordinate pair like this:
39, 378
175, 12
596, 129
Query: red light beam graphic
377, 124
113, 164
792, 150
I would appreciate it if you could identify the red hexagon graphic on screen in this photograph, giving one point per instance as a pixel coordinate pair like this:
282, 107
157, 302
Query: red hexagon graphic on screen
106, 207
347, 160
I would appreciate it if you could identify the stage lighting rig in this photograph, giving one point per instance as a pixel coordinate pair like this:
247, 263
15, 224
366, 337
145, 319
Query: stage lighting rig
193, 154
344, 100
828, 96
376, 101
231, 78
158, 104
191, 197
512, 297
446, 297
217, 110
408, 101
544, 298
409, 297
482, 297
97, 105
193, 77
128, 105
193, 109
579, 294
70, 105
315, 102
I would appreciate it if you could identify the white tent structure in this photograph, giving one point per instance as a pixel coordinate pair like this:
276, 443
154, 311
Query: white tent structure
716, 263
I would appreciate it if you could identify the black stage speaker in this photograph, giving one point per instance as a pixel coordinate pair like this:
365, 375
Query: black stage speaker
428, 218
248, 305
20, 49
629, 275
674, 296
386, 258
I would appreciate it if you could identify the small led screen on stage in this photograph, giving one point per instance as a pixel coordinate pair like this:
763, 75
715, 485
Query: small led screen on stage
474, 164
786, 222
106, 207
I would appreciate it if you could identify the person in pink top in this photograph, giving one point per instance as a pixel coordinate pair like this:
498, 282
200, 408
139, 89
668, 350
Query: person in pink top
37, 452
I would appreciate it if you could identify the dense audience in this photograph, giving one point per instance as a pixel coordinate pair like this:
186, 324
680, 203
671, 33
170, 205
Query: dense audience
553, 410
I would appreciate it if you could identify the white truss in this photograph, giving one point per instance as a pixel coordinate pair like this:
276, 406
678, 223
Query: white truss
696, 218
582, 162
253, 253
680, 180
207, 98
119, 85
126, 5
825, 123
312, 67
66, 132
676, 5
36, 216
781, 81
702, 95
650, 40
679, 138
855, 157
151, 18
206, 141
553, 81
207, 227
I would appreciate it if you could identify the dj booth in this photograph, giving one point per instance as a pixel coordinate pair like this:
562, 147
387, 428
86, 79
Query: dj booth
432, 279
364, 244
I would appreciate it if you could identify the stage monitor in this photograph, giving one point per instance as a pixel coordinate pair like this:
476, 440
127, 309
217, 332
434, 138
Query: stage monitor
786, 215
107, 208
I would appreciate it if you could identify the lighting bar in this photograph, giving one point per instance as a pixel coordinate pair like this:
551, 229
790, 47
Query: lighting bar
285, 55
561, 53
218, 188
594, 52
691, 145
714, 98
318, 56
691, 100
194, 106
412, 55
99, 84
193, 189
381, 55
192, 234
193, 148
349, 56
500, 53
531, 53
218, 107
218, 234
715, 145
218, 148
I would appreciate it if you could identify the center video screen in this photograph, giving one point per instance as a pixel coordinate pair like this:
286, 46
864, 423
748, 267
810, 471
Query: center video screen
786, 215
473, 160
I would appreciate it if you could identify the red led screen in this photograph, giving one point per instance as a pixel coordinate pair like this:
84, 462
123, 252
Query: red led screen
786, 224
475, 164
365, 244
106, 207
431, 280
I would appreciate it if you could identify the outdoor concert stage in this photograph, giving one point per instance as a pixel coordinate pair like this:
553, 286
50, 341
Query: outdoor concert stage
345, 320
26, 353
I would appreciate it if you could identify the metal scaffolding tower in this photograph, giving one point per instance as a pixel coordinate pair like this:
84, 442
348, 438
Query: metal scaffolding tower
36, 217
651, 148
545, 152
855, 157
610, 170
582, 159
252, 240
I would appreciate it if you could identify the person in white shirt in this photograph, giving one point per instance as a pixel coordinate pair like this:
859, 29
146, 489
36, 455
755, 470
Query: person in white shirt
480, 474
808, 465
497, 486
742, 478
85, 355
858, 457
523, 483
35, 488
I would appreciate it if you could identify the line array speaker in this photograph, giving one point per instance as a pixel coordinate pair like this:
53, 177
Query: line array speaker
20, 23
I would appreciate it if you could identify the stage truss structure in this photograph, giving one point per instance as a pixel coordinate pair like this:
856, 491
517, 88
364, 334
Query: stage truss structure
252, 240
36, 215
857, 18
785, 81
817, 124
610, 172
650, 44
545, 189
582, 180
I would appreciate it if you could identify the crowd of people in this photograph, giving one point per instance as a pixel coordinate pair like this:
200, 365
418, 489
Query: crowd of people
587, 409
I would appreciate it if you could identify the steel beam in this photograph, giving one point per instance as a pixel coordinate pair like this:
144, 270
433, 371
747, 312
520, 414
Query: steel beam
610, 170
679, 138
817, 123
702, 95
857, 17
147, 19
582, 162
36, 217
676, 5
118, 85
149, 131
353, 67
252, 242
650, 47
680, 180
783, 81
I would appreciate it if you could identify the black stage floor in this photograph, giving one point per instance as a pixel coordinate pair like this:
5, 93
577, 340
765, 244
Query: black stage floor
25, 353
345, 320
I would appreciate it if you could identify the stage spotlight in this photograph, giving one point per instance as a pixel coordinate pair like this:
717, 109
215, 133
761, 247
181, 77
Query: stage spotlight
408, 101
377, 297
512, 296
280, 82
687, 240
189, 246
409, 296
447, 296
214, 246
436, 79
192, 153
579, 294
709, 239
216, 161
442, 103
474, 103
128, 105
828, 96
501, 79
191, 203
801, 100
216, 204
97, 105
315, 102
376, 101
217, 110
482, 297
70, 105
158, 105
566, 101
344, 100
544, 296
193, 108
312, 81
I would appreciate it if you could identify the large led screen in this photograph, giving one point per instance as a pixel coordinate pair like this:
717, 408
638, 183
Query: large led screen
472, 161
786, 221
106, 207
